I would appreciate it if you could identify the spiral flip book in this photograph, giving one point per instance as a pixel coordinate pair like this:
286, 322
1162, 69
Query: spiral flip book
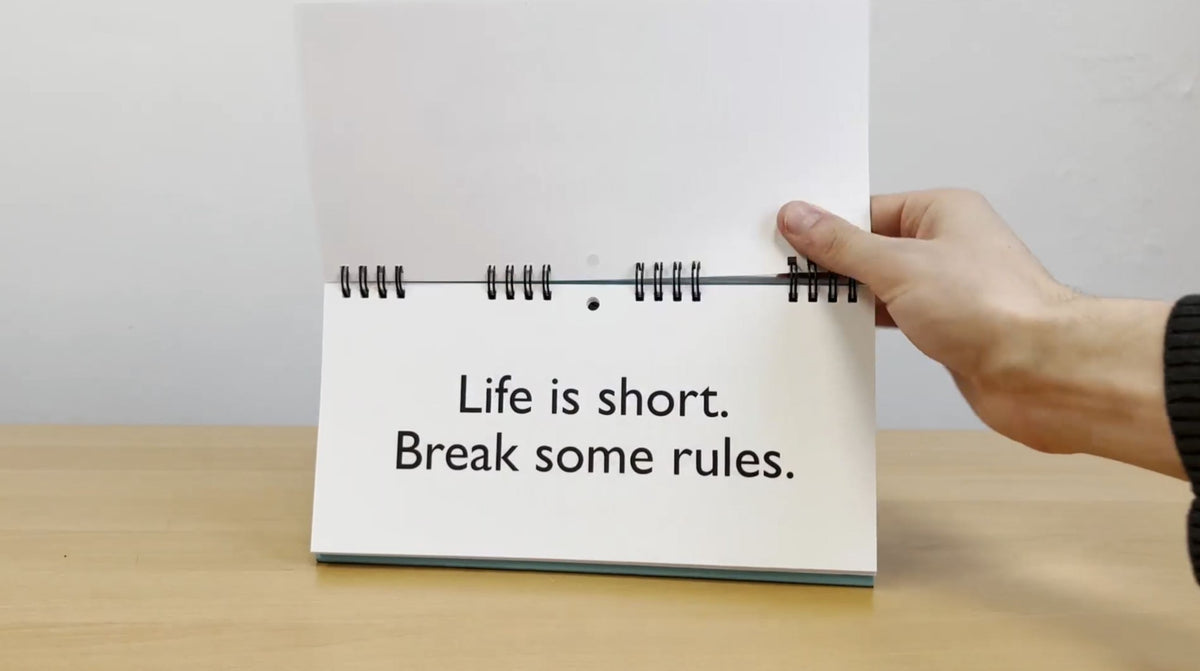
561, 331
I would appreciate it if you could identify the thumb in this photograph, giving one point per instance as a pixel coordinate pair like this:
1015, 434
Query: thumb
839, 246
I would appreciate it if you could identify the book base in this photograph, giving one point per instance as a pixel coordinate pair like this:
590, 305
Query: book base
794, 577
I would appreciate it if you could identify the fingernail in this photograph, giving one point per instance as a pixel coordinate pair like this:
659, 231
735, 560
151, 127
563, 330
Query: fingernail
799, 217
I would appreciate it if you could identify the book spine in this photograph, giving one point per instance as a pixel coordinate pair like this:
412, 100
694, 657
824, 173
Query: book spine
384, 285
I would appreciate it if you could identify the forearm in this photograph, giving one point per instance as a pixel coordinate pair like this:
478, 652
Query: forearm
1089, 379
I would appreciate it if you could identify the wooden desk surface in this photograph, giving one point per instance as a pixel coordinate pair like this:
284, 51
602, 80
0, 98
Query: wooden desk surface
187, 548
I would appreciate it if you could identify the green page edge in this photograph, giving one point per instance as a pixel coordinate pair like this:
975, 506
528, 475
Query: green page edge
842, 580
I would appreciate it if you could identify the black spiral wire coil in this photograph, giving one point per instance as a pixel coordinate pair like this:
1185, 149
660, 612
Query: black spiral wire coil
510, 283
658, 282
813, 278
381, 282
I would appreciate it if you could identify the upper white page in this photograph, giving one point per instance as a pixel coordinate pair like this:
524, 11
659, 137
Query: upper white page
446, 136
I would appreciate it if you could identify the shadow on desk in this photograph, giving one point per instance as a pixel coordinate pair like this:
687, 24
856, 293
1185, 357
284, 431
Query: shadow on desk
1094, 571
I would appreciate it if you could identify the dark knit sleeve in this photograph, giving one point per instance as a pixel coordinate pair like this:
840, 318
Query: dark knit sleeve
1182, 376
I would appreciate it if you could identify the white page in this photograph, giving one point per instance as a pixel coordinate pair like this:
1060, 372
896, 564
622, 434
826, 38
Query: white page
588, 134
794, 378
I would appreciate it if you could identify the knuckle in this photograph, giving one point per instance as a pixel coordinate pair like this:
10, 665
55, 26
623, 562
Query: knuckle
968, 197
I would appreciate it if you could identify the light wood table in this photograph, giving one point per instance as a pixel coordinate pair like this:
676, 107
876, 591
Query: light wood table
187, 548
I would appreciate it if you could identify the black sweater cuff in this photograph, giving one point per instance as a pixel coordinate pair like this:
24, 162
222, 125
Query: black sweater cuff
1182, 378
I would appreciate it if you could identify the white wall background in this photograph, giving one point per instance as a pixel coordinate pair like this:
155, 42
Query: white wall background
158, 258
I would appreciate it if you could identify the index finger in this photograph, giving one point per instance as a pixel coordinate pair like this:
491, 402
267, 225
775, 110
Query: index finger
897, 215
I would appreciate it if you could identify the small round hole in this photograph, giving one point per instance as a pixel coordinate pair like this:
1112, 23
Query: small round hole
593, 260
593, 304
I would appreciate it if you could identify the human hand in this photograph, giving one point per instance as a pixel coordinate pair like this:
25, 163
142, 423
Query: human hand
1036, 360
944, 267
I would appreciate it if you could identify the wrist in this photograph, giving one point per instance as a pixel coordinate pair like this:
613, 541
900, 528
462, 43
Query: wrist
1085, 375
1101, 349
